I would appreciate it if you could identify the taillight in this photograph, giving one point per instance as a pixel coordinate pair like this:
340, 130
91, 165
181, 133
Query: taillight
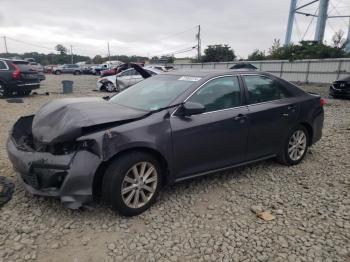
17, 73
322, 102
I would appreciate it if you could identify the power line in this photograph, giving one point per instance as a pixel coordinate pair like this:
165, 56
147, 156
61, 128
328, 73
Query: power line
298, 29
308, 27
185, 50
26, 43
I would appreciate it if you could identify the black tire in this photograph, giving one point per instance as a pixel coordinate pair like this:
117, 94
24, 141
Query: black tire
58, 72
108, 87
113, 180
77, 73
285, 157
24, 93
3, 90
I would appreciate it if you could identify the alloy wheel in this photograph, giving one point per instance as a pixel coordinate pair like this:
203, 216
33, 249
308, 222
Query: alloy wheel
297, 145
139, 184
110, 87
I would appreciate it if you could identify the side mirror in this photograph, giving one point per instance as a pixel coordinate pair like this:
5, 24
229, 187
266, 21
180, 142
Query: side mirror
191, 108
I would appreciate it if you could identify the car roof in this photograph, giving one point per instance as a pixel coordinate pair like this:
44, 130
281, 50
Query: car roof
204, 73
14, 60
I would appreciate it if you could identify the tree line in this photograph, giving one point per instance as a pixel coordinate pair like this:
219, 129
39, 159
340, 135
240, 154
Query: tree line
212, 53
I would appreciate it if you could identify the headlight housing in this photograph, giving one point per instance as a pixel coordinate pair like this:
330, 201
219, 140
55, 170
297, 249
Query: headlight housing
71, 147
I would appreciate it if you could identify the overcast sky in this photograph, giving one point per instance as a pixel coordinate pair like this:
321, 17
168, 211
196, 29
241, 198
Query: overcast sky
149, 27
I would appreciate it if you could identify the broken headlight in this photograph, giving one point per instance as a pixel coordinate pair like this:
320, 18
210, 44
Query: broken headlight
71, 147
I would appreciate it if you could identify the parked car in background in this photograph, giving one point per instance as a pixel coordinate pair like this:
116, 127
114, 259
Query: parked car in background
118, 69
163, 68
110, 72
40, 69
123, 80
67, 69
340, 88
48, 69
243, 66
168, 128
95, 70
17, 76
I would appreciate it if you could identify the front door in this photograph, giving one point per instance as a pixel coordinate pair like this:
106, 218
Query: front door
214, 139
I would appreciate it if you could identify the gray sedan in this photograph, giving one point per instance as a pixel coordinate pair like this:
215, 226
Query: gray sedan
165, 129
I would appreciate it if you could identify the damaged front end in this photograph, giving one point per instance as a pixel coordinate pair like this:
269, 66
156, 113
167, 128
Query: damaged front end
63, 170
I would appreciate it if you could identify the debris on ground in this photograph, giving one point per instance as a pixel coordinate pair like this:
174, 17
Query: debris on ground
14, 100
42, 94
266, 215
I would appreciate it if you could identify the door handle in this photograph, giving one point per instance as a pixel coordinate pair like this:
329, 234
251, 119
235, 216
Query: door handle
291, 107
240, 117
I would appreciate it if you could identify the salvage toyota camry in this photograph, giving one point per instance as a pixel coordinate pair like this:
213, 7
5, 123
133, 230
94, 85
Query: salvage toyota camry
165, 129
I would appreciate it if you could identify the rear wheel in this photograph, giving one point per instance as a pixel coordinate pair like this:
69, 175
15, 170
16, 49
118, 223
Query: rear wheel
77, 72
131, 183
295, 147
3, 90
58, 72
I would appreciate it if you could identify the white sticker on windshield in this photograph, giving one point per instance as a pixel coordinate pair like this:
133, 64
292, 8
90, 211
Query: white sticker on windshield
189, 78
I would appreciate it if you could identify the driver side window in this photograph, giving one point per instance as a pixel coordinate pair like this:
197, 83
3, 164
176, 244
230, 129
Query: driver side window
218, 94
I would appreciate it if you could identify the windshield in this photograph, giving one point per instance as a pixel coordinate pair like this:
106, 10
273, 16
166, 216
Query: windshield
153, 93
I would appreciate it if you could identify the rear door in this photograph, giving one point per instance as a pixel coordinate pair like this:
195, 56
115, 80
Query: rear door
272, 113
216, 138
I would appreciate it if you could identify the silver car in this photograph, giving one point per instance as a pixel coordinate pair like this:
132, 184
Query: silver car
67, 69
118, 82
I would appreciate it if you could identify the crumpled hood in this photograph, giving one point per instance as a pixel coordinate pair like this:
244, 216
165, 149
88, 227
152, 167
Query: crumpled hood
63, 120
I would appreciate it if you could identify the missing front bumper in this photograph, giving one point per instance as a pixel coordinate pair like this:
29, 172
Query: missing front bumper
67, 177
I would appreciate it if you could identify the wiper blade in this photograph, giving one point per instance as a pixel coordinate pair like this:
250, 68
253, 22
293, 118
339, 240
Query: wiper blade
163, 108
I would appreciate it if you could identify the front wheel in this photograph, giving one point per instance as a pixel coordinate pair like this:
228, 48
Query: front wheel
58, 72
25, 93
131, 183
109, 87
295, 147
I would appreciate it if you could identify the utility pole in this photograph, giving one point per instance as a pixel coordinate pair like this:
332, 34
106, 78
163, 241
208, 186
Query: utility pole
293, 6
71, 54
321, 20
109, 54
5, 45
199, 44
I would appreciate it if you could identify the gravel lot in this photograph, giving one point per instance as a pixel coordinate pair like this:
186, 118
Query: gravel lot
207, 219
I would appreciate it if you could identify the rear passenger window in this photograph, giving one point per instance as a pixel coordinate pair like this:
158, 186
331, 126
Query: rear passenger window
263, 89
3, 65
220, 93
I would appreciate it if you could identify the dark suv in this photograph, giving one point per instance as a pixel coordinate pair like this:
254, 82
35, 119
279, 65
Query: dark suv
17, 76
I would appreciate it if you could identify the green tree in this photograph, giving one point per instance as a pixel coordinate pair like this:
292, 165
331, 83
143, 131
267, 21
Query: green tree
218, 53
257, 55
338, 39
97, 59
304, 50
61, 49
